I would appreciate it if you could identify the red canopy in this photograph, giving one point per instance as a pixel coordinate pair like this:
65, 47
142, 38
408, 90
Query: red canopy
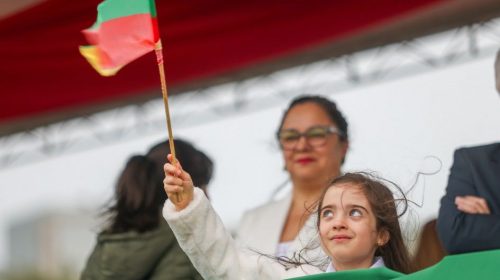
43, 76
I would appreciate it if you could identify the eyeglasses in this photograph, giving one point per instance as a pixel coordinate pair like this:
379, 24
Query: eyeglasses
315, 136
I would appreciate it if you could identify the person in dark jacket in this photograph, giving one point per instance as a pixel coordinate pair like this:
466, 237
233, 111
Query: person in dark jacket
136, 242
469, 217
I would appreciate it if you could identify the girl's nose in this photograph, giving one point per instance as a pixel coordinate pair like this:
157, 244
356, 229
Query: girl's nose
339, 222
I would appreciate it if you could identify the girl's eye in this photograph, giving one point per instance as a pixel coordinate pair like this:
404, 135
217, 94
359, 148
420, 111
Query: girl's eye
327, 214
355, 213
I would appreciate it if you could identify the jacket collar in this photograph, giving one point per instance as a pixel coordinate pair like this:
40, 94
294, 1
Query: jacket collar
377, 262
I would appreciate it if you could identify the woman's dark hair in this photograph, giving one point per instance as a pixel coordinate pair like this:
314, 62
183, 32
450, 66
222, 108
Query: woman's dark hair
430, 250
385, 208
328, 106
139, 194
194, 161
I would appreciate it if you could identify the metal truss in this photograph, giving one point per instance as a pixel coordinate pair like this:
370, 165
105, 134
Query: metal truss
326, 77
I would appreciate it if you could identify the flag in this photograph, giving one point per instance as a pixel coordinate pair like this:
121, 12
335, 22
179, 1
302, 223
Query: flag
124, 31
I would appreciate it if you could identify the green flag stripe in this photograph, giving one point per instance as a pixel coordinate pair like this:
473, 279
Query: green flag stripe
112, 9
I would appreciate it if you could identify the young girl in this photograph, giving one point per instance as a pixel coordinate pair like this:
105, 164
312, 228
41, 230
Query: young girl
358, 225
357, 222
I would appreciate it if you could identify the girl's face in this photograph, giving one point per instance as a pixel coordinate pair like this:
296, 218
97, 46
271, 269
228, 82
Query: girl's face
348, 227
305, 161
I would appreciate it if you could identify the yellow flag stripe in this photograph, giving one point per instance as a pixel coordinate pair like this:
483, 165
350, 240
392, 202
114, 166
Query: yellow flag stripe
92, 55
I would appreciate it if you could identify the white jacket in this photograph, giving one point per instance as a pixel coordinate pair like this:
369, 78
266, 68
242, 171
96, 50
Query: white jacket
260, 230
213, 251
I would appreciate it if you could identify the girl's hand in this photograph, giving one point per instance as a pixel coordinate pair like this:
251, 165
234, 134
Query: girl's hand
178, 184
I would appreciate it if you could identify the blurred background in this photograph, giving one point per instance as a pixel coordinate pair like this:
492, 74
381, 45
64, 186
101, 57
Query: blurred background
414, 79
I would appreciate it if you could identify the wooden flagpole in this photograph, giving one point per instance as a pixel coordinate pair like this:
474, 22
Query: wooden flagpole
159, 59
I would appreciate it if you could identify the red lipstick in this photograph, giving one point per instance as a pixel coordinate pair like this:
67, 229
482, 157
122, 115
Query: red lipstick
304, 160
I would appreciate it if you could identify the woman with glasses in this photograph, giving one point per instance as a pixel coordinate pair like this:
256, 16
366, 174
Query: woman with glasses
314, 140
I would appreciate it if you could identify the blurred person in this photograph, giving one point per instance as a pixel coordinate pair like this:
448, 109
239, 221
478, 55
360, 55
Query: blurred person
137, 243
357, 222
469, 216
313, 137
429, 249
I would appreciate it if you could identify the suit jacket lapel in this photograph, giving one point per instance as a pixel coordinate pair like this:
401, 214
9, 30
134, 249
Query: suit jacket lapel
495, 156
276, 219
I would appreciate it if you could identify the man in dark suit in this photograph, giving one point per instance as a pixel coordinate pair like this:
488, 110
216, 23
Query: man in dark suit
469, 217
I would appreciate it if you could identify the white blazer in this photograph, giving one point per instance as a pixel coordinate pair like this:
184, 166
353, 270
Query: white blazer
260, 230
213, 251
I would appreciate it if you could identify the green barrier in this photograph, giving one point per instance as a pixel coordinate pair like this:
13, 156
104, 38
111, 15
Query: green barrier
470, 266
380, 273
